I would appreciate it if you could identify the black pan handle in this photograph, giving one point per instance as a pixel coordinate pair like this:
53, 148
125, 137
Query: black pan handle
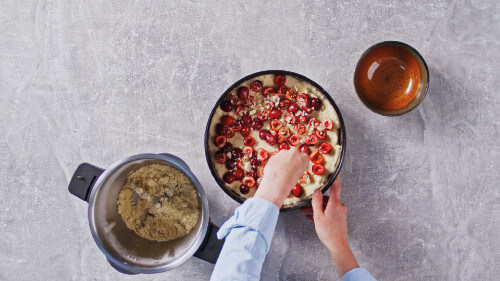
211, 246
83, 180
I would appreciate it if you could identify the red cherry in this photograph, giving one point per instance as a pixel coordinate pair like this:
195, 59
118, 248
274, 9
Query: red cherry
290, 118
281, 91
251, 103
316, 103
300, 129
293, 107
237, 126
325, 148
239, 163
263, 134
220, 157
268, 105
245, 131
226, 106
307, 110
254, 161
271, 139
248, 141
279, 80
320, 134
284, 104
227, 147
239, 110
227, 120
275, 114
257, 124
283, 133
275, 125
236, 153
304, 148
328, 124
311, 140
256, 86
262, 154
267, 91
243, 93
251, 174
291, 94
221, 129
303, 100
318, 169
229, 134
297, 190
313, 122
301, 117
220, 141
247, 120
316, 157
238, 174
247, 151
234, 100
228, 177
244, 189
263, 116
248, 181
294, 139
284, 145
231, 164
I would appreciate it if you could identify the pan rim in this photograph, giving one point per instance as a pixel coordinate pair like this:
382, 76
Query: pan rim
342, 137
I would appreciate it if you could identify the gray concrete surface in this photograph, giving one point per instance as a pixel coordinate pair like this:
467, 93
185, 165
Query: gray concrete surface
98, 81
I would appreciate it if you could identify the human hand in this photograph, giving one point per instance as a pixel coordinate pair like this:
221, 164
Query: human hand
330, 220
281, 173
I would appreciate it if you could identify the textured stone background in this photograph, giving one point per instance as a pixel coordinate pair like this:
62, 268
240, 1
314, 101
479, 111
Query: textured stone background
98, 81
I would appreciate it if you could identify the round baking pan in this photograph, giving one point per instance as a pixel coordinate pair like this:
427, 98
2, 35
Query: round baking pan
342, 138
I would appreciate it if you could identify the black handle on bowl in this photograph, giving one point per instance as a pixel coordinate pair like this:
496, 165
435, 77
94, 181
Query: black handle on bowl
83, 180
211, 246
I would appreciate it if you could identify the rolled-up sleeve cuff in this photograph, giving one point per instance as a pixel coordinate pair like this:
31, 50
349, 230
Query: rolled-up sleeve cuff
254, 214
358, 274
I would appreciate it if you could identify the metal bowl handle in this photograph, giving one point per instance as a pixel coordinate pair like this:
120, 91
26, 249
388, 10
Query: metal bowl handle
83, 180
211, 246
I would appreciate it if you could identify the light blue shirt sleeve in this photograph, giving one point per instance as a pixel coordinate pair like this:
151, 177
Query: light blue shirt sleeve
358, 274
248, 236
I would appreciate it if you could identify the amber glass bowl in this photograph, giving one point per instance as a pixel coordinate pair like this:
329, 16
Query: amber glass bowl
391, 78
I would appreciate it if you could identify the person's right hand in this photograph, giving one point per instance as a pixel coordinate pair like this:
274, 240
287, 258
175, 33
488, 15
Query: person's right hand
330, 222
281, 174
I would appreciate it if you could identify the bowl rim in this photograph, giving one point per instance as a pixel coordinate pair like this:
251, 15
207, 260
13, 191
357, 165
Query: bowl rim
342, 136
179, 164
421, 95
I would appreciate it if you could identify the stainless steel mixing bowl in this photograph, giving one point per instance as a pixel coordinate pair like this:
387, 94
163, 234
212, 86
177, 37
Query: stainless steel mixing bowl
125, 251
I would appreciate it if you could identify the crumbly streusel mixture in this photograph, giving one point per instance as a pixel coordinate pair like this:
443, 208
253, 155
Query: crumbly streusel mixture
159, 203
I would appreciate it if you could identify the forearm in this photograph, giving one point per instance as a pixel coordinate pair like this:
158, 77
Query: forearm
243, 262
343, 260
248, 235
347, 267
